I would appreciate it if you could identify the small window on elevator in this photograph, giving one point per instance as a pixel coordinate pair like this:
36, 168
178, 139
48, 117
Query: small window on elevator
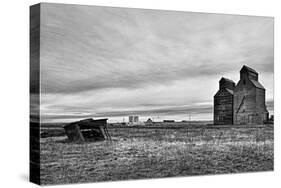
244, 82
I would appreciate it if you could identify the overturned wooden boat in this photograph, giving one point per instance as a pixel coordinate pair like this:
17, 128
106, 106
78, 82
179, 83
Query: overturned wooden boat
87, 130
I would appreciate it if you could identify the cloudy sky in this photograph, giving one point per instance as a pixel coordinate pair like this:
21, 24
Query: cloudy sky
112, 62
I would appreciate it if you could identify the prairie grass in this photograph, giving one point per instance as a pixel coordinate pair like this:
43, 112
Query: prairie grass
137, 153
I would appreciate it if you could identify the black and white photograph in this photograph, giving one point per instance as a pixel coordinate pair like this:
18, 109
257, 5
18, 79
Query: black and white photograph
130, 93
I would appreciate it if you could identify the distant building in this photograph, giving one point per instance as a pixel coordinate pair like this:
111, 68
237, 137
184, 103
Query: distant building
243, 103
223, 102
169, 121
149, 122
133, 120
249, 99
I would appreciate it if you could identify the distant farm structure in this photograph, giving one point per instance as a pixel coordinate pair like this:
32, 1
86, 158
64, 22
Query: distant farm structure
149, 122
133, 120
223, 102
87, 130
168, 121
243, 103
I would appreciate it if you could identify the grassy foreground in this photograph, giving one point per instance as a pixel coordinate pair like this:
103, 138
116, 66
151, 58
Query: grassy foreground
137, 153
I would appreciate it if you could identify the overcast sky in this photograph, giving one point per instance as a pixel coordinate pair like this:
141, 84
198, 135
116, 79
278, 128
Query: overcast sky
113, 62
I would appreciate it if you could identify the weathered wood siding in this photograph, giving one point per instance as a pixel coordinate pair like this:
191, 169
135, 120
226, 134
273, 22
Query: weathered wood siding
73, 132
260, 105
223, 107
249, 103
87, 130
243, 103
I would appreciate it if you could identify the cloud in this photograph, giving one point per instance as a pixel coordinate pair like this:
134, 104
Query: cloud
102, 59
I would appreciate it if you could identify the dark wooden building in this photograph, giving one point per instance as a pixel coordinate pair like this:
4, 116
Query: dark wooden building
168, 121
87, 130
249, 99
223, 102
149, 122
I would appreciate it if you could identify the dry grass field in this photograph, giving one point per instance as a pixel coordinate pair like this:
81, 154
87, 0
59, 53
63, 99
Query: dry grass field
137, 153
